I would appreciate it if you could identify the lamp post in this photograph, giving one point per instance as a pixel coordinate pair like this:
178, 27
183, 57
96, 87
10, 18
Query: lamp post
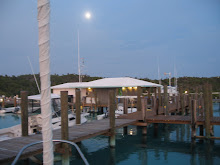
87, 16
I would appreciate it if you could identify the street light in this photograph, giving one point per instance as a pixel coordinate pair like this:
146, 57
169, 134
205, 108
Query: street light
87, 16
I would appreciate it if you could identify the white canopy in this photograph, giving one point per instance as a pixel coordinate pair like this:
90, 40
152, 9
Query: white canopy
38, 97
109, 83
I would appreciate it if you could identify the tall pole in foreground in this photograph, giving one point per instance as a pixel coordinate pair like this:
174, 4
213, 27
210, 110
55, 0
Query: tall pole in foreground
43, 17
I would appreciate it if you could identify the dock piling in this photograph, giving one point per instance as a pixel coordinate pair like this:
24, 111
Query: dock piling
139, 92
207, 113
78, 111
194, 118
165, 100
64, 126
112, 117
24, 113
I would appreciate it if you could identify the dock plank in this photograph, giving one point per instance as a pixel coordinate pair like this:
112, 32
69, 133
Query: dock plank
10, 148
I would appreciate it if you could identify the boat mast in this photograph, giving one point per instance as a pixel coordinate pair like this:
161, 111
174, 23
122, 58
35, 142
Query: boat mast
43, 17
34, 75
79, 59
158, 70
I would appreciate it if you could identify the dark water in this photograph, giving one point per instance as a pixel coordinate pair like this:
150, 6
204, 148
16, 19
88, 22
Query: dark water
170, 144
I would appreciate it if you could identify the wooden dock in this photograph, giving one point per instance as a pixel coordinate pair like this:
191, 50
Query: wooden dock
10, 148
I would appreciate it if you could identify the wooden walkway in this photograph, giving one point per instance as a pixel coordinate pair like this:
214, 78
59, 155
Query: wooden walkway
10, 148
171, 119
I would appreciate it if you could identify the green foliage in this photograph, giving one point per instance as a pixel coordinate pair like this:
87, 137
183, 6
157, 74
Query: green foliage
12, 85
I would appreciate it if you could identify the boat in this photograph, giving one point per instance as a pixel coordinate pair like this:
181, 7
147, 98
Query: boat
35, 121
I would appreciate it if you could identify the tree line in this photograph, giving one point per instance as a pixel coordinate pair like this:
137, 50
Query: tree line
12, 85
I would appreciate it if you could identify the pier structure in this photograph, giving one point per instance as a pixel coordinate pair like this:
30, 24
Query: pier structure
153, 109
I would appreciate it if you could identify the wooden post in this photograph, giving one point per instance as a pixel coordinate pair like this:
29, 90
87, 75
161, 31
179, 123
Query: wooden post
15, 101
24, 113
96, 99
148, 97
193, 118
143, 108
112, 117
181, 101
64, 115
210, 108
78, 112
157, 106
125, 105
165, 100
64, 126
139, 92
177, 103
190, 104
155, 99
207, 113
159, 95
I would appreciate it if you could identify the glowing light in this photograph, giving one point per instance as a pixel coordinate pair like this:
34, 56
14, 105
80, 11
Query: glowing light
130, 88
186, 92
89, 88
123, 88
135, 88
88, 15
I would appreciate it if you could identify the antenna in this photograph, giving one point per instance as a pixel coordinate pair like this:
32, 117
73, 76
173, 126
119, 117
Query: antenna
158, 69
33, 74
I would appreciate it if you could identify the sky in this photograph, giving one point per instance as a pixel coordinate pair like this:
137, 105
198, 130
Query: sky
123, 38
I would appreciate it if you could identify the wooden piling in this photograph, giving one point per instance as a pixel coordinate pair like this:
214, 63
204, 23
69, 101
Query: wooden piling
165, 100
15, 101
139, 92
210, 108
64, 115
78, 111
159, 96
190, 104
112, 117
125, 105
177, 103
24, 113
157, 107
181, 101
193, 118
64, 126
148, 96
207, 113
143, 108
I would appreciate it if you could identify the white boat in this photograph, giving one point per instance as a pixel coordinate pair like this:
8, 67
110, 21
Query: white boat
35, 122
35, 126
9, 110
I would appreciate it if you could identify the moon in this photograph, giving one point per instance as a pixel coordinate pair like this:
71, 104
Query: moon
88, 15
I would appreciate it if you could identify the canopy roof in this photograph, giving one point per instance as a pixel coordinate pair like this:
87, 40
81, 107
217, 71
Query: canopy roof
109, 83
38, 97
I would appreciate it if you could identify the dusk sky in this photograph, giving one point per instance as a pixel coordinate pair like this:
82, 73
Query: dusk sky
122, 38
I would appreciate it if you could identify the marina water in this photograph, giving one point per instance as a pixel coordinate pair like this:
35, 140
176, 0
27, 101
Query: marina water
171, 144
